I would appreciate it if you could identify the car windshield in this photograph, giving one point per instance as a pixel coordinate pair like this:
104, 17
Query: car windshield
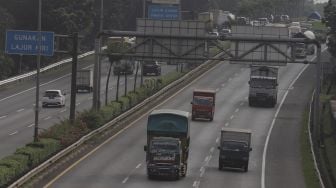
206, 101
51, 94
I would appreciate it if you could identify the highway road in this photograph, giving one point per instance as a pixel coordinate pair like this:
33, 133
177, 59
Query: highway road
18, 102
120, 162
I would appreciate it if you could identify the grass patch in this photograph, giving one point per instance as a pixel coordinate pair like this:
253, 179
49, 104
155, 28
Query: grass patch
329, 141
308, 167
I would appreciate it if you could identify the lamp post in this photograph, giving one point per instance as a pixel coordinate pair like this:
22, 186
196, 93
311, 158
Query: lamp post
37, 107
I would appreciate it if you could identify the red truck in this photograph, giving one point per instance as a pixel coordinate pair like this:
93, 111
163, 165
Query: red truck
203, 104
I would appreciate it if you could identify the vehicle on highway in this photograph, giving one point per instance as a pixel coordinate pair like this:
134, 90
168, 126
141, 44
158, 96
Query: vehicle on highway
263, 88
300, 50
84, 80
151, 67
263, 21
123, 67
203, 104
234, 148
53, 98
225, 32
256, 23
242, 21
168, 138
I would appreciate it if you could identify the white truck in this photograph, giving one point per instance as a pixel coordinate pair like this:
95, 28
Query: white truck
84, 81
263, 86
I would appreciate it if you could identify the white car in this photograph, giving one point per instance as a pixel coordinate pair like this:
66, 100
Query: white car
53, 98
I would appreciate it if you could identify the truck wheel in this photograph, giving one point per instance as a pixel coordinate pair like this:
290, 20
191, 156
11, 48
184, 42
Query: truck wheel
184, 171
220, 166
246, 168
193, 118
250, 103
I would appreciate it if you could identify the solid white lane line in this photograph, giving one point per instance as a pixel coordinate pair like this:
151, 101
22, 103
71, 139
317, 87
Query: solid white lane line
123, 129
47, 118
31, 125
20, 110
3, 117
13, 133
271, 128
33, 88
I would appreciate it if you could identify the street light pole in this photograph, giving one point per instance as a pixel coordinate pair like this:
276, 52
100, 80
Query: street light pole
37, 108
97, 63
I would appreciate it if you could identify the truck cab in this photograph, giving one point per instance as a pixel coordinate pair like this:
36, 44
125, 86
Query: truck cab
167, 148
203, 104
263, 86
123, 67
234, 148
164, 156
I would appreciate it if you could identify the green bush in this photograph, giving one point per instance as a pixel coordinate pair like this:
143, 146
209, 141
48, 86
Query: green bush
92, 119
125, 103
133, 97
116, 108
142, 93
36, 155
15, 165
6, 176
107, 113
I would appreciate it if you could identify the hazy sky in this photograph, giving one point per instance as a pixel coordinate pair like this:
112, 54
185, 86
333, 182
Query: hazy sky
320, 1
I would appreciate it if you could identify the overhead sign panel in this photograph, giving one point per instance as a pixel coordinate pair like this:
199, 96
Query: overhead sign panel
167, 48
163, 12
166, 1
28, 43
257, 52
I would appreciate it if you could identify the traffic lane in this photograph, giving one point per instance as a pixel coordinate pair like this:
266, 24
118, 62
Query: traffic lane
17, 126
284, 165
256, 119
197, 131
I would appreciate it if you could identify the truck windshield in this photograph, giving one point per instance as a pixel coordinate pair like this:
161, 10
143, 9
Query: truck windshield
263, 83
164, 146
167, 123
206, 101
234, 145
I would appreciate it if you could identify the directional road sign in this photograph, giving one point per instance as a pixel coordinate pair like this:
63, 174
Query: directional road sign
163, 12
27, 42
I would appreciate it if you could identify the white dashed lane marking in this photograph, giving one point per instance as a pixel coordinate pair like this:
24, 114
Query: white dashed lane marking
47, 118
30, 125
13, 133
20, 110
1, 117
237, 110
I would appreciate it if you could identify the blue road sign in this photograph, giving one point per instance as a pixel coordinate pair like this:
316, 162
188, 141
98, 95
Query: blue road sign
163, 12
27, 43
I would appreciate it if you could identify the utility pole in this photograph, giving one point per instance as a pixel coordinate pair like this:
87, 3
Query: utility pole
73, 77
37, 106
97, 63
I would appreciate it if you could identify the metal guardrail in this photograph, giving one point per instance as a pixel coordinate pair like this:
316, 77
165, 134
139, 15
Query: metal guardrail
44, 69
85, 138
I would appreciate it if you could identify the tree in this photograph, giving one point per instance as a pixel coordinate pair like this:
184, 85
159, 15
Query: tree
6, 66
330, 21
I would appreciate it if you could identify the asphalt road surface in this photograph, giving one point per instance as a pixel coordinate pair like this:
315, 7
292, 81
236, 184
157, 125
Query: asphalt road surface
120, 162
18, 101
